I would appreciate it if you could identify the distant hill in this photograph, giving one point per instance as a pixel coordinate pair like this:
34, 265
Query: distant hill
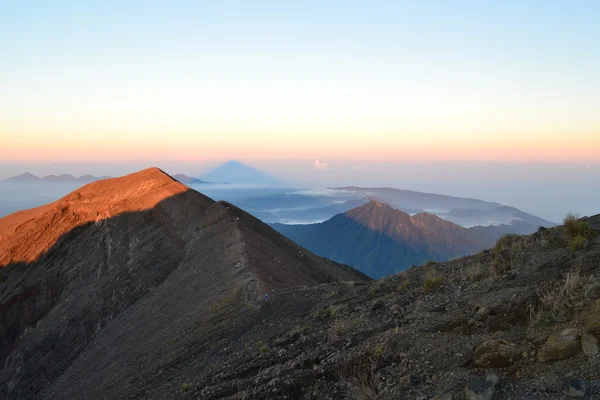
189, 180
28, 177
379, 240
236, 172
462, 211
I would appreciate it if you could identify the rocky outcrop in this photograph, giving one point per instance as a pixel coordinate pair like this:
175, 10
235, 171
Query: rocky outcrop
560, 345
496, 353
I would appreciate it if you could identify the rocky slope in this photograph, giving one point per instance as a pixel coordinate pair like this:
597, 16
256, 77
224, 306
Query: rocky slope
126, 286
380, 240
520, 321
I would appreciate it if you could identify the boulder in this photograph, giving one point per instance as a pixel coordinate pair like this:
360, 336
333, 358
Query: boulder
482, 314
593, 318
481, 389
574, 387
495, 353
589, 345
561, 345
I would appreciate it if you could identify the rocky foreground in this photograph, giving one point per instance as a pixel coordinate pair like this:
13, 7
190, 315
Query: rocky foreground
520, 321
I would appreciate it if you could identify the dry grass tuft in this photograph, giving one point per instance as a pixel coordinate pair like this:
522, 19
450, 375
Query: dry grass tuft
556, 305
433, 280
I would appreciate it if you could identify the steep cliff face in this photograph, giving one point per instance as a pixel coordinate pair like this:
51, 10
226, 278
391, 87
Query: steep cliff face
116, 271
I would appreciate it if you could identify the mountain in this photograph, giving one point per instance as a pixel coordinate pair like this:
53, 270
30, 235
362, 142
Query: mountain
494, 215
462, 211
379, 240
153, 290
188, 180
236, 172
27, 177
127, 286
421, 201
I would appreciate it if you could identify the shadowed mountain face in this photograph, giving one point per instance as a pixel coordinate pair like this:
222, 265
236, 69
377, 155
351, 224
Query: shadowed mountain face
379, 240
125, 286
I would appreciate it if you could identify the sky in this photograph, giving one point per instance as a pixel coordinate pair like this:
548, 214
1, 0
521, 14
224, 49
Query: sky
322, 92
370, 80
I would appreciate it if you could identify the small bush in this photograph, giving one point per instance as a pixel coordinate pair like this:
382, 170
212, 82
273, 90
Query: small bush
403, 287
185, 387
262, 347
378, 353
430, 263
508, 242
578, 243
501, 264
575, 227
558, 304
433, 280
334, 311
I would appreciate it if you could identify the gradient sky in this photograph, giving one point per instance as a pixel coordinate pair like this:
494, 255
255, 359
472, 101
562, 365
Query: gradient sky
193, 81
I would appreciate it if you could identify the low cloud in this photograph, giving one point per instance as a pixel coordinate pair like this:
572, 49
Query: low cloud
324, 192
320, 164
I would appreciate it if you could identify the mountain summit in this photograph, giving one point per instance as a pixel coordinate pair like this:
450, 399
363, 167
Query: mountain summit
380, 240
236, 172
129, 273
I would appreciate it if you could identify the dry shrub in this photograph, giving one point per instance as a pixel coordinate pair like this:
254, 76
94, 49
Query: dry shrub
433, 280
556, 305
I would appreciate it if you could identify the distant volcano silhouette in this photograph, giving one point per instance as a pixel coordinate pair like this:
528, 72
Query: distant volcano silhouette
236, 172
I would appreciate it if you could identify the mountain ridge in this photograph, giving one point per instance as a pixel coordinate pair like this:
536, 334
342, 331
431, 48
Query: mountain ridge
29, 177
380, 240
141, 251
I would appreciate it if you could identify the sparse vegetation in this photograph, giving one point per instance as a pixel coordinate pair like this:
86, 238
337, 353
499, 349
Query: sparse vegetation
575, 227
510, 241
500, 265
475, 272
364, 387
262, 347
433, 280
329, 312
578, 243
430, 263
339, 328
506, 253
378, 353
403, 287
556, 305
335, 310
185, 387
578, 232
